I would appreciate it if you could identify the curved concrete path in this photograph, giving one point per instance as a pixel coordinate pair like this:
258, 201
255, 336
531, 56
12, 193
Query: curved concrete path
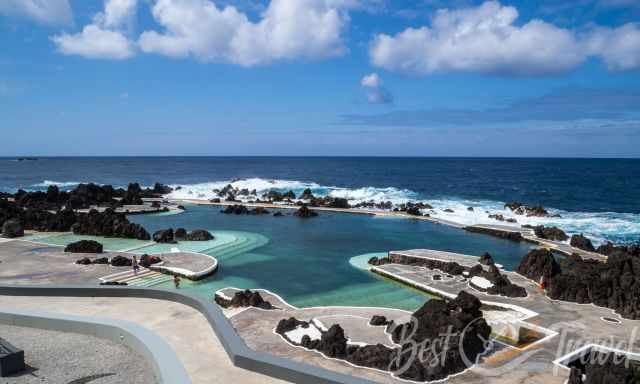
186, 330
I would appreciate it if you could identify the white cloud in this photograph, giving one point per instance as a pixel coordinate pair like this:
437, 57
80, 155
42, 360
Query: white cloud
104, 38
619, 47
44, 11
479, 39
287, 29
376, 93
95, 43
371, 81
117, 13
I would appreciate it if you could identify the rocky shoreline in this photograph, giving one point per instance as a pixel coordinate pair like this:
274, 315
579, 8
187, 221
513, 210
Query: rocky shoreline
60, 211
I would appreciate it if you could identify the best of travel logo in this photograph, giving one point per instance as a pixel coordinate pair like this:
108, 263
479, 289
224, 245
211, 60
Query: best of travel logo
503, 353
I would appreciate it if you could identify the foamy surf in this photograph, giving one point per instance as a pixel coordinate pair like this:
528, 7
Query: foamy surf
60, 184
600, 226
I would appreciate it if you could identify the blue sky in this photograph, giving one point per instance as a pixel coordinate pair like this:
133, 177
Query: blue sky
320, 77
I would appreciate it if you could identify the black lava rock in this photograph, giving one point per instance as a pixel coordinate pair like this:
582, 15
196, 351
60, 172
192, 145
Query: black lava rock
550, 233
164, 236
110, 224
582, 242
180, 234
147, 260
12, 229
304, 212
84, 246
199, 235
378, 320
538, 263
121, 261
244, 298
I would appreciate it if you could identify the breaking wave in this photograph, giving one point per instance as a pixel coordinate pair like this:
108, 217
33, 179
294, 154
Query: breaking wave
60, 184
600, 226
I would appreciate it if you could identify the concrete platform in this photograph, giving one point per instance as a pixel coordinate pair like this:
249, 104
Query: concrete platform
529, 334
23, 262
190, 265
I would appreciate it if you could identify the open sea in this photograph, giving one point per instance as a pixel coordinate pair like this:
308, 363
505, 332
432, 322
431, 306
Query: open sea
309, 262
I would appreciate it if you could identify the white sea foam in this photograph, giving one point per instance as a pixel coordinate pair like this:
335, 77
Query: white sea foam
61, 184
599, 226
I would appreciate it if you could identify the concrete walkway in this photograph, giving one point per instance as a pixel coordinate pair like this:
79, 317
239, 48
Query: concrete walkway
187, 332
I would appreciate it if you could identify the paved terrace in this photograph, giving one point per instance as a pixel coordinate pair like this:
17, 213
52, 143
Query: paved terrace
186, 331
26, 262
49, 354
573, 321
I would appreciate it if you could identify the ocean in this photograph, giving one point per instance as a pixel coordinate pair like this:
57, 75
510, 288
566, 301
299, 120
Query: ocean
597, 197
313, 262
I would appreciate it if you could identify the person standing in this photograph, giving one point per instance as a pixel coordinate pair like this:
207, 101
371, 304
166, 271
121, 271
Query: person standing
176, 281
135, 265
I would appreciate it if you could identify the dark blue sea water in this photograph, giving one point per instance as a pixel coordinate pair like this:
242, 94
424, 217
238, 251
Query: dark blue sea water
308, 261
600, 197
587, 185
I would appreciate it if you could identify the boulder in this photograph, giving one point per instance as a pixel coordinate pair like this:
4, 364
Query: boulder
133, 195
199, 235
304, 212
180, 234
12, 229
413, 211
486, 259
100, 260
538, 263
244, 298
164, 236
278, 214
378, 320
236, 209
307, 195
84, 261
161, 189
259, 211
84, 246
339, 202
550, 233
582, 242
148, 260
121, 261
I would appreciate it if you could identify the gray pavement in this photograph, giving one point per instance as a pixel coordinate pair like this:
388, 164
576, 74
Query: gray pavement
66, 358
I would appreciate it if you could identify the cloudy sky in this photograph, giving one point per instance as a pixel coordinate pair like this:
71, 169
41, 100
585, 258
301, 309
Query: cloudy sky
320, 77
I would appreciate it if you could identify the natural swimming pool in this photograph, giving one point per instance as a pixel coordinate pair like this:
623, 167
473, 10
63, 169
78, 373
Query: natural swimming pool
306, 261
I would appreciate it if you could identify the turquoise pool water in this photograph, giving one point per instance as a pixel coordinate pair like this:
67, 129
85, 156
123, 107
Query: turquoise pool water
308, 261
